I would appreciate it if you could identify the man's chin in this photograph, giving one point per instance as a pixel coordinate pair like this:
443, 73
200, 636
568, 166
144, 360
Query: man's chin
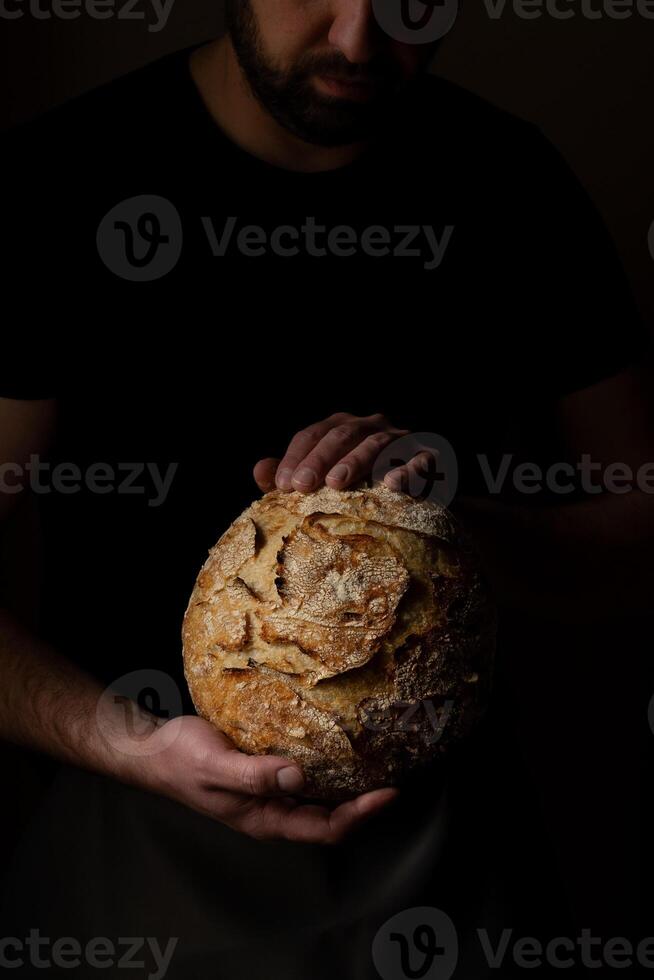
328, 137
337, 122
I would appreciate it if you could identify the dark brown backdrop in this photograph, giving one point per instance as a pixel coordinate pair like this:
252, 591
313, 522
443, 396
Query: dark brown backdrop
588, 83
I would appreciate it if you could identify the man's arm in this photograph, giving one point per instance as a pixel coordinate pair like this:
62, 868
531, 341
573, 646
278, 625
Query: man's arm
46, 703
592, 559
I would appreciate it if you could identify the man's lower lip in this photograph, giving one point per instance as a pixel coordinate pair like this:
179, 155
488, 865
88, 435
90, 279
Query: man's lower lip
360, 90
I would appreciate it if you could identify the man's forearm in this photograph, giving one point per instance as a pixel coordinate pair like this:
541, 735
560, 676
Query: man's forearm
50, 705
579, 562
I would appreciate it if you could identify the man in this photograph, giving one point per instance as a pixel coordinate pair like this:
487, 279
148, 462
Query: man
318, 249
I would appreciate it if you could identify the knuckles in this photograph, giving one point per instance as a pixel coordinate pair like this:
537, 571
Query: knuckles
342, 433
340, 417
342, 426
307, 436
379, 438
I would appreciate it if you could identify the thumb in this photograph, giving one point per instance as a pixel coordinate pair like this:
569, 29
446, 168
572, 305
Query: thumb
257, 775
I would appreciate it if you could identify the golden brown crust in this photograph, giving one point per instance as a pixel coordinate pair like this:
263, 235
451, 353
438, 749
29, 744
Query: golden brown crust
379, 503
338, 595
320, 622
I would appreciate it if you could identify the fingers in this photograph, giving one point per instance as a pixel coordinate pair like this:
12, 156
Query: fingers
289, 473
335, 444
412, 474
340, 451
264, 473
256, 795
350, 815
358, 463
276, 819
343, 446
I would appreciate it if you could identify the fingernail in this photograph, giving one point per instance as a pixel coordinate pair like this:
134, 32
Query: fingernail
283, 479
340, 472
304, 477
290, 780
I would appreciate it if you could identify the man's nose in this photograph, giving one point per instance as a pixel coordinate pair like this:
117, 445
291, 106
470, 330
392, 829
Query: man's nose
355, 30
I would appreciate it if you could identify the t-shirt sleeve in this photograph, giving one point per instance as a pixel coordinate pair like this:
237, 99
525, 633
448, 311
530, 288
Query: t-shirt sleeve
582, 324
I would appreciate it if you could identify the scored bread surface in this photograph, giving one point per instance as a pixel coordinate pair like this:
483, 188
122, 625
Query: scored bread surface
318, 620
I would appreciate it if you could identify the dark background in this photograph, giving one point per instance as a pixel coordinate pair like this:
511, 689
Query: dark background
588, 84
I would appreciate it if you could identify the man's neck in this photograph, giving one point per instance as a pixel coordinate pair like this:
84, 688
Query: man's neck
233, 106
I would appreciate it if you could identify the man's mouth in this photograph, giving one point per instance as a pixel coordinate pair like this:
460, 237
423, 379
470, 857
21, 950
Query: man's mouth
359, 90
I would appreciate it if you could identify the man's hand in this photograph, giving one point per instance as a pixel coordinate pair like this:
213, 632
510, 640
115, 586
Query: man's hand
50, 705
338, 452
200, 767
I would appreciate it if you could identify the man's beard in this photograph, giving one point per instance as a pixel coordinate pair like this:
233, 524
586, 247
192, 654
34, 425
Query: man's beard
293, 100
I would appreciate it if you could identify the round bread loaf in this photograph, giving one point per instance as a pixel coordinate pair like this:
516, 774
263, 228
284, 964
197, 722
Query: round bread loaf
348, 630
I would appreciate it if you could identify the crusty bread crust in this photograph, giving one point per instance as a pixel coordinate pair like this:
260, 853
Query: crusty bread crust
348, 630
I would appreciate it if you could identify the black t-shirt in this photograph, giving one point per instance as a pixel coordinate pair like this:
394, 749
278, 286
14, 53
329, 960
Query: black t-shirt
513, 291
216, 363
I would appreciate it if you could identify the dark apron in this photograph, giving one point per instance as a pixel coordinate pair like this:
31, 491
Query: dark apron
103, 859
